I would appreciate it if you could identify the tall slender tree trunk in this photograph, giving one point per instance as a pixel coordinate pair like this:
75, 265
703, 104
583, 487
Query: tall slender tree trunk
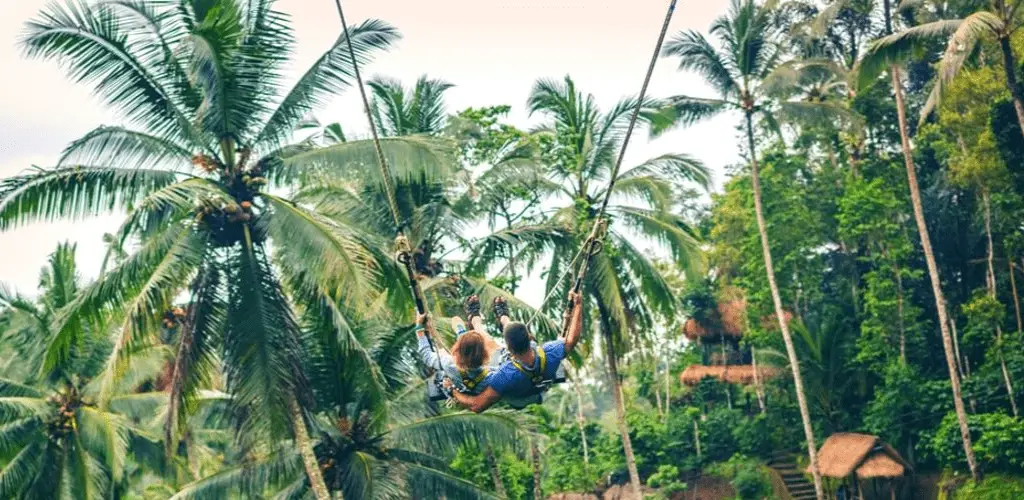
1010, 69
668, 388
933, 272
535, 455
1016, 298
696, 437
620, 406
309, 461
580, 420
492, 466
1007, 379
899, 312
758, 389
794, 362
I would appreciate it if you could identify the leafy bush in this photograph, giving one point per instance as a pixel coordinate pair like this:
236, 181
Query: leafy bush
746, 475
470, 463
717, 433
753, 436
667, 481
993, 487
998, 440
565, 469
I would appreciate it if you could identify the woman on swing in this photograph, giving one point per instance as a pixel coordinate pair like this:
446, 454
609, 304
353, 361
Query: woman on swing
474, 356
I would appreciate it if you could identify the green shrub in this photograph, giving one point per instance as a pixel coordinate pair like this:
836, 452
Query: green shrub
746, 475
998, 441
666, 480
993, 487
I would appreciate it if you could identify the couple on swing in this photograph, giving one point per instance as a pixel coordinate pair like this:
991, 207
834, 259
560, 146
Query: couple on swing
482, 372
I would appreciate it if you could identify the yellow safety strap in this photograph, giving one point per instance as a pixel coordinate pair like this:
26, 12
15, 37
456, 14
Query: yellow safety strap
537, 377
472, 382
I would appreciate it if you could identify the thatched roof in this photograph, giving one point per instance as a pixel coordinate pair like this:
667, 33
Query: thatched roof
734, 374
845, 453
730, 321
880, 465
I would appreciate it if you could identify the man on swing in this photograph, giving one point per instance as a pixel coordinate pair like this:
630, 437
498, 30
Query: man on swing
520, 379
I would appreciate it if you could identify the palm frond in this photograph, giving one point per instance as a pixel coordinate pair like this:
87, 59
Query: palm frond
261, 348
673, 167
897, 48
438, 483
19, 473
15, 434
119, 147
322, 255
667, 229
282, 466
328, 76
10, 388
653, 190
497, 428
690, 110
105, 435
140, 290
535, 238
74, 193
194, 360
697, 54
90, 41
12, 407
819, 114
410, 159
169, 205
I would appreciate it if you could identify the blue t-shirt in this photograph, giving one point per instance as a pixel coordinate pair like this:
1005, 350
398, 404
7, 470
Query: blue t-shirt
512, 383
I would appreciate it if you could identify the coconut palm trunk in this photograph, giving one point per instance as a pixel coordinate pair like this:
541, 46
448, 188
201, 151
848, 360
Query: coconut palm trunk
535, 458
794, 362
309, 461
1010, 70
1016, 298
933, 273
492, 466
1007, 379
620, 407
581, 421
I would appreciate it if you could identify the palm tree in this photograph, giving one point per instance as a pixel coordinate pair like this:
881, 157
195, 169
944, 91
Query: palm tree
54, 437
375, 434
998, 20
401, 112
200, 83
624, 287
874, 61
748, 55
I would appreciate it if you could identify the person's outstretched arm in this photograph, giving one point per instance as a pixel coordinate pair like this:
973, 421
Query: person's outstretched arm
430, 357
478, 403
575, 323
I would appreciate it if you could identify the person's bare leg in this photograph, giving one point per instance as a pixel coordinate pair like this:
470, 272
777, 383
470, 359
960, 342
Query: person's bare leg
458, 323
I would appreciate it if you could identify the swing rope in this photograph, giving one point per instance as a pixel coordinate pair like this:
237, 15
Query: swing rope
590, 247
402, 245
592, 244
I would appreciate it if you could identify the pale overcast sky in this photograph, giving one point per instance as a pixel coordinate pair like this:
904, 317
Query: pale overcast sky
492, 50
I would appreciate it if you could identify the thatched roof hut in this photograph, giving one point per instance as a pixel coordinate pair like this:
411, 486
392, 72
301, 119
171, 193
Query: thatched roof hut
846, 453
730, 321
733, 374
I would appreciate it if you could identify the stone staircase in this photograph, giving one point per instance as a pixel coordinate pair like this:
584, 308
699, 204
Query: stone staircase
796, 483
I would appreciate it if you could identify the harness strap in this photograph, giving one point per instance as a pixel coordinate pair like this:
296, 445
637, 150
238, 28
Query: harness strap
536, 376
472, 382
